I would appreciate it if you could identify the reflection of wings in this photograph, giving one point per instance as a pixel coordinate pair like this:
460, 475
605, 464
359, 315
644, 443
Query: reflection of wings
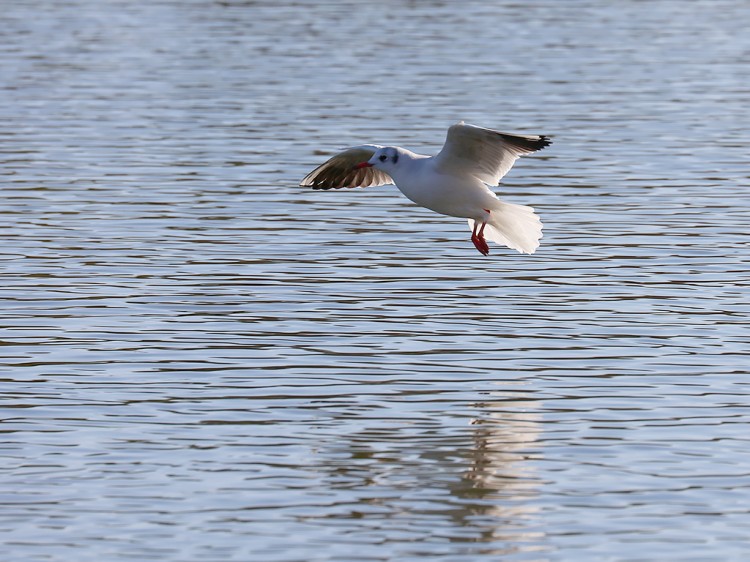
483, 153
340, 170
503, 436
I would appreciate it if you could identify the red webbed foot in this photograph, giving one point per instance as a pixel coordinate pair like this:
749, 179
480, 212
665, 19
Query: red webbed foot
480, 244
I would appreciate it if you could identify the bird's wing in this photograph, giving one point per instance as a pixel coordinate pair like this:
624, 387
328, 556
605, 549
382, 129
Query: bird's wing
340, 170
483, 153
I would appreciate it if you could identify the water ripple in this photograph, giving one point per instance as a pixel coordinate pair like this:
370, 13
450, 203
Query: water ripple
202, 361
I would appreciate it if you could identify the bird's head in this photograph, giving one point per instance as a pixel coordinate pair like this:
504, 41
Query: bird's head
384, 159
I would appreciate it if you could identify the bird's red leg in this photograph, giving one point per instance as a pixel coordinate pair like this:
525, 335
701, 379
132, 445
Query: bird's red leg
474, 238
478, 238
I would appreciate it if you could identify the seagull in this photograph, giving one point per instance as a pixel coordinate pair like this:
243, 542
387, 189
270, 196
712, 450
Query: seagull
454, 182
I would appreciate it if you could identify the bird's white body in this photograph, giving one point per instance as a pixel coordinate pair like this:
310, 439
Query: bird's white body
453, 182
417, 179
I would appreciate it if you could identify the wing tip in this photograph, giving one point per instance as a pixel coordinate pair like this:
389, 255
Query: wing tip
529, 143
310, 181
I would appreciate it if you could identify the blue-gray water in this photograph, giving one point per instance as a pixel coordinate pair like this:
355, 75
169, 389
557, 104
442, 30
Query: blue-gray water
202, 361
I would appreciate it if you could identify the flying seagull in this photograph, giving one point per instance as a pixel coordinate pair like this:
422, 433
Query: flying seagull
454, 182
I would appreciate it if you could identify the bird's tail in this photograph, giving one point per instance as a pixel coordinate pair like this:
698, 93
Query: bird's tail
515, 226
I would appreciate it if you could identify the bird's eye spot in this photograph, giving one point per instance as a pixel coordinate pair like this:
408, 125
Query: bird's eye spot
383, 157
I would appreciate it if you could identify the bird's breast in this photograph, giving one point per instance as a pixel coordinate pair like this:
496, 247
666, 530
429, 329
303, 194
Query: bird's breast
444, 194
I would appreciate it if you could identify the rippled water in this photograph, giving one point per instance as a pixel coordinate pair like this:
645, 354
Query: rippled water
203, 361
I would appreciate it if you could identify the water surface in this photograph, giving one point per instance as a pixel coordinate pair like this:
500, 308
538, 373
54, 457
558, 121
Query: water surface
203, 361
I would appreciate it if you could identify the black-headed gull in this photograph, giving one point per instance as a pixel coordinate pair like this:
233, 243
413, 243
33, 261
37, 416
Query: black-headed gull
453, 182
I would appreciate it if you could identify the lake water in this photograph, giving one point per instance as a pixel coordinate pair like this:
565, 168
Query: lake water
202, 361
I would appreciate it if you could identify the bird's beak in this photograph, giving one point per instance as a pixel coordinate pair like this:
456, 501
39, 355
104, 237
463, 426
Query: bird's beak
363, 165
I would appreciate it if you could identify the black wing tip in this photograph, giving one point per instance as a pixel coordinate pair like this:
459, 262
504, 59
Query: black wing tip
530, 143
317, 185
311, 184
544, 142
318, 182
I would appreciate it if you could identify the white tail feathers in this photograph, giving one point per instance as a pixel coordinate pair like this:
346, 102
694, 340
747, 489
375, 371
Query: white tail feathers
515, 226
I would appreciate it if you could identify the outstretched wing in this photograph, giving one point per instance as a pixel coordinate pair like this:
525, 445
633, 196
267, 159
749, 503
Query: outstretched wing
483, 153
340, 170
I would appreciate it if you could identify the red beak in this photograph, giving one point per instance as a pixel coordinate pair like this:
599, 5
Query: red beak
363, 165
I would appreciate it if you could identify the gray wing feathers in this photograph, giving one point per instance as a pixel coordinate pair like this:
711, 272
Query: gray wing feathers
484, 153
340, 170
